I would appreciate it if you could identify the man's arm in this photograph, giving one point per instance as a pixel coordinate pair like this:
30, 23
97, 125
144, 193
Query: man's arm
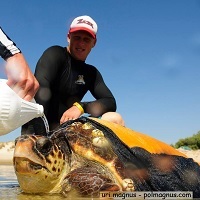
105, 101
20, 77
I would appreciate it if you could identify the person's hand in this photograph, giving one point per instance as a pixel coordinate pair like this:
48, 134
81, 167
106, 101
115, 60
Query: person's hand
20, 77
71, 113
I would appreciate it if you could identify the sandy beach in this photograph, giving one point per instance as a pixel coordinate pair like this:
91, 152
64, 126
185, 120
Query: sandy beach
7, 149
191, 154
6, 152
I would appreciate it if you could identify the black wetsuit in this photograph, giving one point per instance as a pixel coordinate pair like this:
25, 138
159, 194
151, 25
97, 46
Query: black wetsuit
64, 80
7, 47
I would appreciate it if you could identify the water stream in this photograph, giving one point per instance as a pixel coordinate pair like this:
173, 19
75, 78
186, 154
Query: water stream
46, 124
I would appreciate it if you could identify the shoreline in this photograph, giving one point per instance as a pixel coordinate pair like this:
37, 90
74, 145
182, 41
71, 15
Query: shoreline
6, 162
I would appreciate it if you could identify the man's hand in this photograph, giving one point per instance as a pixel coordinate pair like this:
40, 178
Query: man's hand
71, 113
20, 77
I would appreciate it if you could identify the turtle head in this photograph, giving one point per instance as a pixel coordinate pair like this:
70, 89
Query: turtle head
41, 163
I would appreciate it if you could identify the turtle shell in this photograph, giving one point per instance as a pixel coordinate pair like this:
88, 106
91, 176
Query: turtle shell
148, 162
133, 138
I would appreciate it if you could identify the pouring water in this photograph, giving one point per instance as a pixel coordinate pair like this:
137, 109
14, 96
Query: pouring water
46, 124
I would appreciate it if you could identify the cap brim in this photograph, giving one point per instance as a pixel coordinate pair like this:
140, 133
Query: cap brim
82, 29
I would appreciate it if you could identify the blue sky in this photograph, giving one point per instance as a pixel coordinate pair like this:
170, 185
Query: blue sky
148, 52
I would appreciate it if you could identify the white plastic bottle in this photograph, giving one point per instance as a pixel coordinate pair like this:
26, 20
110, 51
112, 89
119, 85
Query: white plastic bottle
14, 111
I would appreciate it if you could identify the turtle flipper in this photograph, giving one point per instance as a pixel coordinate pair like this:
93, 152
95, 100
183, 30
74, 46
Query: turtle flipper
87, 181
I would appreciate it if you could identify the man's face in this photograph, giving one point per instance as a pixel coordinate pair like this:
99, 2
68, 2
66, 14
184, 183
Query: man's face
80, 44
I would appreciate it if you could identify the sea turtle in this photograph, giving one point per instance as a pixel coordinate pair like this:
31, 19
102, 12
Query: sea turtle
88, 155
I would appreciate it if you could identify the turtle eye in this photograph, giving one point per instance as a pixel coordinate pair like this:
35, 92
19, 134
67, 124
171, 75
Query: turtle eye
44, 145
